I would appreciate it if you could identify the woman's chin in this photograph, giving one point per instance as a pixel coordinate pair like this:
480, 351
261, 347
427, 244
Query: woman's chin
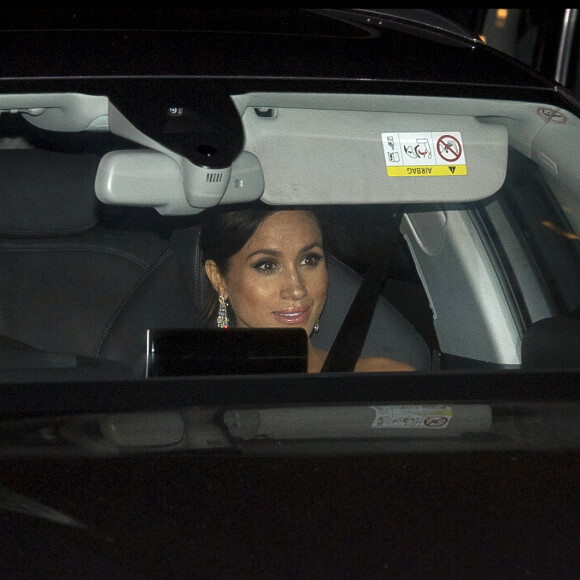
308, 328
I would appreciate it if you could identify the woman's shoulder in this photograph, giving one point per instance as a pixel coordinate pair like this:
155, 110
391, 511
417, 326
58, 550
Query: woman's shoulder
373, 364
366, 364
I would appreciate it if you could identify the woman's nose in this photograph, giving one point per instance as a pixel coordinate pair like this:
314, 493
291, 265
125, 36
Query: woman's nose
293, 287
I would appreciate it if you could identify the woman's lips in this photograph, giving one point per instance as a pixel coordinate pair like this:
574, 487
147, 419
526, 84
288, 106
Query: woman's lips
297, 316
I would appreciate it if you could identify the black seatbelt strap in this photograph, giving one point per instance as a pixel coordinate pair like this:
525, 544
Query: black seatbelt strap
348, 344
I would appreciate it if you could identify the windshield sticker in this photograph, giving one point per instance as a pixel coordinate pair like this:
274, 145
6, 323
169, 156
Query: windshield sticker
551, 115
424, 154
412, 417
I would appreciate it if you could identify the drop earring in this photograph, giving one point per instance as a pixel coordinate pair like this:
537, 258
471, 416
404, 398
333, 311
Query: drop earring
222, 318
316, 327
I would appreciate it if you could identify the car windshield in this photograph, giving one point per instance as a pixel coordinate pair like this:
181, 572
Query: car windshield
261, 237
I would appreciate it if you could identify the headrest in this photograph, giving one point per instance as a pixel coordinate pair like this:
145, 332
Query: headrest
552, 343
46, 193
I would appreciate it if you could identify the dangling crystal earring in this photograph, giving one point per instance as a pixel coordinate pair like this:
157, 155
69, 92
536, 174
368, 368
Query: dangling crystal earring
316, 327
222, 318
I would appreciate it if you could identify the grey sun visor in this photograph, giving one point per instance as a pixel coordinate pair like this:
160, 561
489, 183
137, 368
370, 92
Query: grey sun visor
332, 156
303, 149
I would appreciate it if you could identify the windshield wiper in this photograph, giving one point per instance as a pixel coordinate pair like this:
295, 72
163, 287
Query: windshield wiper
18, 503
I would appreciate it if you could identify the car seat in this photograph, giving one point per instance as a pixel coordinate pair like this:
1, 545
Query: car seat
81, 283
390, 334
71, 284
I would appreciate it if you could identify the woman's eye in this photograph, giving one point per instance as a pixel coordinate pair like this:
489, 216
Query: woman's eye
312, 260
266, 266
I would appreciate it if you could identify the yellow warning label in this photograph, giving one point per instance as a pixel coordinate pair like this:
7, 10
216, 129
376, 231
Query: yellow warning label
424, 154
429, 171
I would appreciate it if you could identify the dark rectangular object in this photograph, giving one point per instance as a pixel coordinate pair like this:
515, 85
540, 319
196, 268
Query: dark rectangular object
205, 351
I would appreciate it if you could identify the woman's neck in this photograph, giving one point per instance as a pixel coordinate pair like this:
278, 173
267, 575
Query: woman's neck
316, 358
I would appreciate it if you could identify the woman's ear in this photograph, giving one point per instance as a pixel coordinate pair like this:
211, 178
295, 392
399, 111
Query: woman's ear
215, 277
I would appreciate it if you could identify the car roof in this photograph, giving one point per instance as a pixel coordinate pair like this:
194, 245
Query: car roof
95, 70
400, 46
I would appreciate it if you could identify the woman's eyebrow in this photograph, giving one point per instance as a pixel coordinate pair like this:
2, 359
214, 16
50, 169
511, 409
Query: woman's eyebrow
311, 246
266, 251
277, 253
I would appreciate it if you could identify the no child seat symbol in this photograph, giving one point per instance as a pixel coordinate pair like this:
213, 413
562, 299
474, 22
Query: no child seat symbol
435, 421
449, 148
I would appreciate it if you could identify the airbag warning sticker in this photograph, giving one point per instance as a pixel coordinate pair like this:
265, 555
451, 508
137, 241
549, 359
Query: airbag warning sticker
424, 154
412, 417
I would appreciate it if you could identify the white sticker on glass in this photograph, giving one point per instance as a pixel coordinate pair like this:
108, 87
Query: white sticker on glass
412, 417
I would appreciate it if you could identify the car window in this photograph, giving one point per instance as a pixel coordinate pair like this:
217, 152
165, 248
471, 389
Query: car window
544, 39
486, 237
452, 210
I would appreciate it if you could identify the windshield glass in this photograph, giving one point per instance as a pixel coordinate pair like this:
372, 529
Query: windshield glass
227, 252
316, 235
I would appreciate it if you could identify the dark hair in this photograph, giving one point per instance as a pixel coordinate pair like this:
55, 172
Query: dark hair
225, 233
226, 230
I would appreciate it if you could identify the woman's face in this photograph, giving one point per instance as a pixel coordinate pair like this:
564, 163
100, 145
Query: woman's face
279, 278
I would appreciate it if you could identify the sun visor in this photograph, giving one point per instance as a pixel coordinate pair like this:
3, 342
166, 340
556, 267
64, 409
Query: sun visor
173, 185
317, 157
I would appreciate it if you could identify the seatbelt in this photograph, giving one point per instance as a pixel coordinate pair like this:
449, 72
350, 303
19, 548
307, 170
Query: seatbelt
348, 344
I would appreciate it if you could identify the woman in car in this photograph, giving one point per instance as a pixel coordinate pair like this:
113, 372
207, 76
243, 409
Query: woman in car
268, 269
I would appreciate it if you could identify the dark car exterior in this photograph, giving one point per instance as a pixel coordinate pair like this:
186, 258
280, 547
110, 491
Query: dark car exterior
544, 38
109, 474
